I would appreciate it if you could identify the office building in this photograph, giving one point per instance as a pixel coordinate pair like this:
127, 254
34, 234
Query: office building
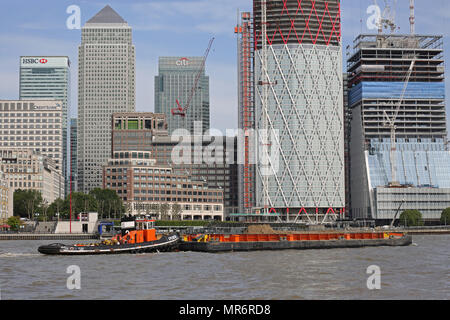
106, 84
25, 169
141, 183
6, 198
399, 78
48, 78
73, 169
147, 131
34, 125
175, 82
299, 106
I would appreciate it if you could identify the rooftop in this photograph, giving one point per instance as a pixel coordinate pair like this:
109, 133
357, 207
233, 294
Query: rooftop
107, 15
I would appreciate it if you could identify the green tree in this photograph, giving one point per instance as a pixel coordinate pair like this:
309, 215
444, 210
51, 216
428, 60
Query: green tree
19, 203
108, 202
58, 206
26, 202
14, 222
445, 216
83, 203
411, 218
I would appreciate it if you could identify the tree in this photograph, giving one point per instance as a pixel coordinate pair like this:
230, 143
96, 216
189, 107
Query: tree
83, 203
26, 202
164, 211
411, 218
445, 216
19, 203
176, 211
108, 202
14, 222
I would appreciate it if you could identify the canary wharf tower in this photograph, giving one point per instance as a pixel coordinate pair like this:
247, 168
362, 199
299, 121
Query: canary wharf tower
298, 93
106, 84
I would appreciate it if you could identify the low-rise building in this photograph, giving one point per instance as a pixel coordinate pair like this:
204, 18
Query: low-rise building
24, 169
142, 183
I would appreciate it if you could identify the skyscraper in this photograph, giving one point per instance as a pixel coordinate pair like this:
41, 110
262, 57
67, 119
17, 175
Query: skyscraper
106, 84
45, 78
298, 98
175, 82
73, 171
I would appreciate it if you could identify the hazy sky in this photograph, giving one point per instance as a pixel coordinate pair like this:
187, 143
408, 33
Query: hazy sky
173, 28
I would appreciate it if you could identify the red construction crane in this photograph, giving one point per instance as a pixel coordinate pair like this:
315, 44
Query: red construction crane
179, 111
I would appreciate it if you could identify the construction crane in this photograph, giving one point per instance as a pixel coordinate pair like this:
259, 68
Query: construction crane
396, 213
387, 18
390, 122
180, 111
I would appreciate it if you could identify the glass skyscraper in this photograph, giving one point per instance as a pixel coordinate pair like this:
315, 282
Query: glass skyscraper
175, 81
46, 78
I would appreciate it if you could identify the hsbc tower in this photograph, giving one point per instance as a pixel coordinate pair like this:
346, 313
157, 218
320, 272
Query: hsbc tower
48, 78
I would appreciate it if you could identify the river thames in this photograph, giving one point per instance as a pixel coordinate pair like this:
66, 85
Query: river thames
420, 271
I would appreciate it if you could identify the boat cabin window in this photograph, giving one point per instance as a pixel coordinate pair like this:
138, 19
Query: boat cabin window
145, 225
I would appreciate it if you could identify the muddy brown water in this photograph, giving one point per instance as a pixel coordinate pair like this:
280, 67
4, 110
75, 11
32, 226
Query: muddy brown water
420, 271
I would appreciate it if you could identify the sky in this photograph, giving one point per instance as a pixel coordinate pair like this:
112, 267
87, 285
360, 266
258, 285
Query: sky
175, 28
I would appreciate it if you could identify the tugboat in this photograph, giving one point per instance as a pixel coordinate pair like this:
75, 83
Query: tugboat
138, 235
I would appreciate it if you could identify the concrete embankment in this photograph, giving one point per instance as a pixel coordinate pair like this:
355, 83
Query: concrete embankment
36, 236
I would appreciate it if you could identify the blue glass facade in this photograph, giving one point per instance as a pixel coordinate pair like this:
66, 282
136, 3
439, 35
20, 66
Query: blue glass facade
424, 163
393, 90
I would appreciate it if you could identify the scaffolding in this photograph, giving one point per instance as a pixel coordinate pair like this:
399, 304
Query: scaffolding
244, 32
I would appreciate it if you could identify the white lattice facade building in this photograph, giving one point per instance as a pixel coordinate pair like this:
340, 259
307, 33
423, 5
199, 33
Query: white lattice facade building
298, 98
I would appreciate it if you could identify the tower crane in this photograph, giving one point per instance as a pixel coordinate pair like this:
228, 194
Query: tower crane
390, 122
180, 111
387, 18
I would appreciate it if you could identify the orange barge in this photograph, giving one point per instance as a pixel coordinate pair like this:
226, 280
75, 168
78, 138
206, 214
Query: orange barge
250, 242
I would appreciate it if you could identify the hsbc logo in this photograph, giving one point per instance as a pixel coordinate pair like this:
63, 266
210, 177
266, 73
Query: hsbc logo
34, 61
182, 62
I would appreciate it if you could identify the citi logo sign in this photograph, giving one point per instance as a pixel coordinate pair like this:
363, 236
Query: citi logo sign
183, 62
34, 61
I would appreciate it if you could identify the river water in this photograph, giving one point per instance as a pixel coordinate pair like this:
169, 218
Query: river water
420, 271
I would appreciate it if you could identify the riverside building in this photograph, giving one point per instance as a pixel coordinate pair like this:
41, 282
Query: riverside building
106, 84
141, 183
146, 131
6, 198
34, 125
25, 169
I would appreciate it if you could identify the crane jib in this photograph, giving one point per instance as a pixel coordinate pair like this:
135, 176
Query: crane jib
179, 111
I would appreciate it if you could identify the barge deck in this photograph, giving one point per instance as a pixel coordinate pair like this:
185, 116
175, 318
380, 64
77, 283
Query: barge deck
252, 242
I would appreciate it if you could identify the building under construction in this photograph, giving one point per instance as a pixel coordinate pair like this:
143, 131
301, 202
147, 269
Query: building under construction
246, 112
294, 65
398, 79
